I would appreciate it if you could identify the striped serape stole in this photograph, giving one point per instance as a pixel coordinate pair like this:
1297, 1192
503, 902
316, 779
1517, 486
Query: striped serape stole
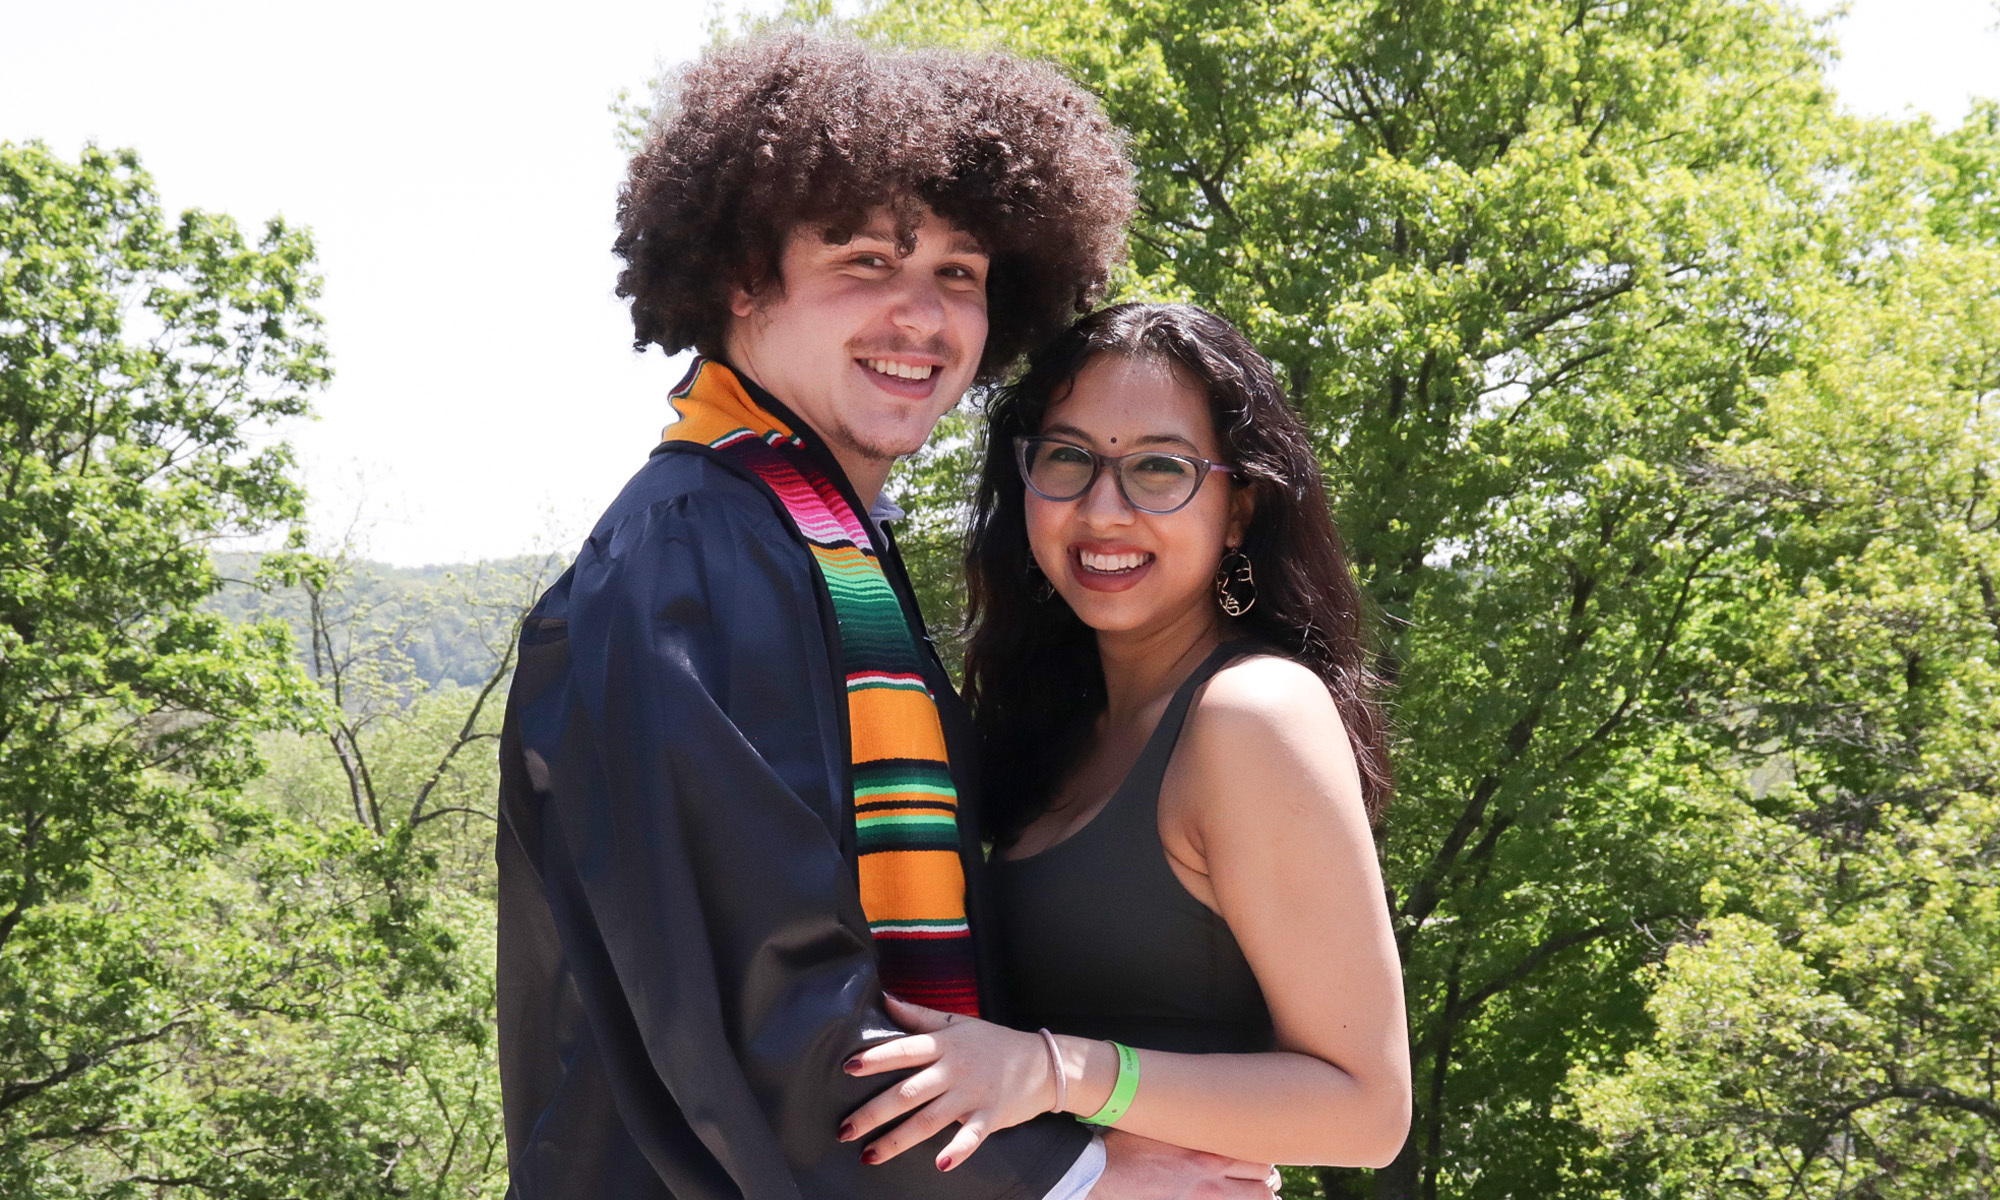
905, 806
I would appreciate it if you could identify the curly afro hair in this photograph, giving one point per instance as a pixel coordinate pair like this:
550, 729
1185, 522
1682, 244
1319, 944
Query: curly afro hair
762, 137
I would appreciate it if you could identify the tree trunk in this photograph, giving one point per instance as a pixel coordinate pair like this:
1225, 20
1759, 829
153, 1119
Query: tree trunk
1399, 1180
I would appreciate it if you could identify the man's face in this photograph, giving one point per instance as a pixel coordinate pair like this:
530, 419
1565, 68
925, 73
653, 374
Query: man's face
868, 347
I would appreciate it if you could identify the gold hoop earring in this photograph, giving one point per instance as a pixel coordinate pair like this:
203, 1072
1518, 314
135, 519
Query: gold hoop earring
1231, 578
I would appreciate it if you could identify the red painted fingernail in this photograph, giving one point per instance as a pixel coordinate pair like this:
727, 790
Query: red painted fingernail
846, 1133
871, 1156
944, 1164
851, 1065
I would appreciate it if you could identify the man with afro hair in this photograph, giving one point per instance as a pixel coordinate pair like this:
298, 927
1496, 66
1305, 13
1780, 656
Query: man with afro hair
736, 797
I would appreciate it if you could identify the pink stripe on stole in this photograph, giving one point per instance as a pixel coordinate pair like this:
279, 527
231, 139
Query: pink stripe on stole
798, 499
837, 505
797, 496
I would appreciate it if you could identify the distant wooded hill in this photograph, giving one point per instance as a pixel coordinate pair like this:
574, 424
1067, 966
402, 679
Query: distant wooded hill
447, 621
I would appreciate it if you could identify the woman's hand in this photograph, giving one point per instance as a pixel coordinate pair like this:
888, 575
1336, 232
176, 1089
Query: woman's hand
982, 1075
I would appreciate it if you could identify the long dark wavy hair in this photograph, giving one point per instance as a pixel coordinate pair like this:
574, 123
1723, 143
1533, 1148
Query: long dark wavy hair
1032, 672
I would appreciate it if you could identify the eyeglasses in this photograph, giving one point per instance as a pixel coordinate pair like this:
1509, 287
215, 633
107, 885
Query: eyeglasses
1149, 480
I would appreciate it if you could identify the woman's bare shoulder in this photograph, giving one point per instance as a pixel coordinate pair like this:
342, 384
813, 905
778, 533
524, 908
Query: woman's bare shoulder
1270, 691
1266, 731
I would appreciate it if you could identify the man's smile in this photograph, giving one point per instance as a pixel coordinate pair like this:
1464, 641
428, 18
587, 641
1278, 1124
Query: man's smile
902, 378
900, 370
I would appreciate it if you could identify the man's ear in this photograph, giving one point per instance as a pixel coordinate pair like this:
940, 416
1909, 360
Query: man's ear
752, 292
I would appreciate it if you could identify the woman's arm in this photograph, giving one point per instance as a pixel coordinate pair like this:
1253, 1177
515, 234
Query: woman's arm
1263, 821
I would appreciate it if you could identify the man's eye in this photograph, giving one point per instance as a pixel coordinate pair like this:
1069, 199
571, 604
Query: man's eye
870, 260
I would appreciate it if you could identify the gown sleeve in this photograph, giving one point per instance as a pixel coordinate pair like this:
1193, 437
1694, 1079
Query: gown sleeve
679, 729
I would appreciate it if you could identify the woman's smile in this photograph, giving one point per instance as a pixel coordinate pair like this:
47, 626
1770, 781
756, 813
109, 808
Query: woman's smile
1104, 568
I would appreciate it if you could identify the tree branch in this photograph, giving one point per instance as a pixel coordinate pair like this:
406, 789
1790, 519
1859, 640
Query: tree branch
77, 1064
466, 734
435, 813
1534, 960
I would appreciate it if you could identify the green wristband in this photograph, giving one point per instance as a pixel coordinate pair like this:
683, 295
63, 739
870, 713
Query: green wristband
1122, 1091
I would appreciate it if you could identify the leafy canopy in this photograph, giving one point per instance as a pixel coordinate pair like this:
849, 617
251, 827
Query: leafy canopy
142, 365
1540, 276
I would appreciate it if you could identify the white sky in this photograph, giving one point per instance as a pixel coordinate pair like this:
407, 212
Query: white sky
455, 162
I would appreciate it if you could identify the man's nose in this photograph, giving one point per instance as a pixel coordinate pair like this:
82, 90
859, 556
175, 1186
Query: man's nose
919, 305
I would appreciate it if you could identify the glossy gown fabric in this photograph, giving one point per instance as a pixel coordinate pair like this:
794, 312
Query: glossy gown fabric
683, 960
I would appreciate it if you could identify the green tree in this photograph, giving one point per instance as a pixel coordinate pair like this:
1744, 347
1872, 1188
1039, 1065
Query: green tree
1657, 401
1523, 264
371, 1071
934, 488
1831, 1031
1526, 266
141, 364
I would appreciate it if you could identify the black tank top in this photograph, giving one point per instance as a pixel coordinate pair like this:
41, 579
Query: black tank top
1099, 938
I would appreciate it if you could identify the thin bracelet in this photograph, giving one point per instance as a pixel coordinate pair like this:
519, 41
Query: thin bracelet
1055, 1063
1121, 1091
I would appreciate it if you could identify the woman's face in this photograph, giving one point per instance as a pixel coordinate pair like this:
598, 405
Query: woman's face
1122, 570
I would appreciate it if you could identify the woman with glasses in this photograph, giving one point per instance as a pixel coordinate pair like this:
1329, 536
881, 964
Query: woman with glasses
1183, 758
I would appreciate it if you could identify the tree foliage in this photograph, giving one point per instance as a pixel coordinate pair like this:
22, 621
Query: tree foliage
139, 360
1658, 400
1831, 1031
1551, 282
438, 619
214, 979
379, 896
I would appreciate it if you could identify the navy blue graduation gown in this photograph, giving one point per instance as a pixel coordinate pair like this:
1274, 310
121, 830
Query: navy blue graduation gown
683, 960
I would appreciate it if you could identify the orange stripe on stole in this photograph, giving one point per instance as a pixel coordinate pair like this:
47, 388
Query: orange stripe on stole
890, 723
725, 405
913, 885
